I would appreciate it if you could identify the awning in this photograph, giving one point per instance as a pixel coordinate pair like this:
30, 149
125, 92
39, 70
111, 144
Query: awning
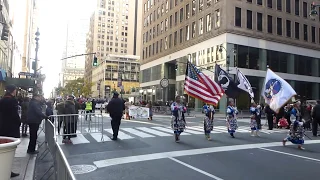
20, 82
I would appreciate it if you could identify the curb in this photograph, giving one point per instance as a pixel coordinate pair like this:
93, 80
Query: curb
30, 170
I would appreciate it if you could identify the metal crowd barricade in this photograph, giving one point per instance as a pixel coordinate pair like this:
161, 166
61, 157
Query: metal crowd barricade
62, 167
70, 125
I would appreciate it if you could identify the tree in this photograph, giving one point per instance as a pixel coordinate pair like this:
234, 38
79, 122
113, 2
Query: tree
76, 87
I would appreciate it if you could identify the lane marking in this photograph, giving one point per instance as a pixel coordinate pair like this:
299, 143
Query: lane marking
152, 131
168, 130
80, 139
121, 135
196, 169
155, 156
289, 154
137, 133
142, 122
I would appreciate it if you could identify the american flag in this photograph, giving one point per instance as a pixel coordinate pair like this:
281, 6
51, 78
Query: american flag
200, 86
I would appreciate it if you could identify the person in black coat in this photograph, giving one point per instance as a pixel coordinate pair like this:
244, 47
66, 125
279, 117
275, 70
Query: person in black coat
316, 118
269, 113
115, 108
34, 119
9, 116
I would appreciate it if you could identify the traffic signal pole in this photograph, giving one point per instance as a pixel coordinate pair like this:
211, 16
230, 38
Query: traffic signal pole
78, 55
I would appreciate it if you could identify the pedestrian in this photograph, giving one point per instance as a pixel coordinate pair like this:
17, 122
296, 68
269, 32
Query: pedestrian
296, 132
254, 119
178, 123
77, 108
115, 108
9, 116
60, 109
24, 114
69, 120
88, 109
208, 122
232, 124
269, 113
94, 102
149, 106
34, 119
316, 118
49, 111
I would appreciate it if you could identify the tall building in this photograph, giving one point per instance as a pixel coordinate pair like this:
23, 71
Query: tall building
248, 34
115, 28
73, 68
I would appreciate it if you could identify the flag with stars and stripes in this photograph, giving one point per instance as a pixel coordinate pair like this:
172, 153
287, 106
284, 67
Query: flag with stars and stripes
200, 86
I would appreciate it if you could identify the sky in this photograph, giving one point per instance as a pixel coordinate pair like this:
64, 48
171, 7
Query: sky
53, 16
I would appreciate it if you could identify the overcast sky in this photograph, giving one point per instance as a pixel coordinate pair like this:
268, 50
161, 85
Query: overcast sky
53, 15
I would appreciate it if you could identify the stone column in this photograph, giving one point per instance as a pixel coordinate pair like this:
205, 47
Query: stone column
262, 59
315, 67
290, 64
315, 91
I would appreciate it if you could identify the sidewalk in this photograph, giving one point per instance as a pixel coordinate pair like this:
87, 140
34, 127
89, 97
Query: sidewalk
24, 164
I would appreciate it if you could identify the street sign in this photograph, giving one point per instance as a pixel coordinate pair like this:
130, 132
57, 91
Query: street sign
120, 79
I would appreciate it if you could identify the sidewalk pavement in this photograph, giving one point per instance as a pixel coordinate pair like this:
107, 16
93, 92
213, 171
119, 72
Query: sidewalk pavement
23, 163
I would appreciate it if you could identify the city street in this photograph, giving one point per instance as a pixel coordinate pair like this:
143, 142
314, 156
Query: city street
146, 150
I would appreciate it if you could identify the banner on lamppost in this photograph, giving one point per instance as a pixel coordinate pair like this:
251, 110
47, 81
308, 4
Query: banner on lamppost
119, 79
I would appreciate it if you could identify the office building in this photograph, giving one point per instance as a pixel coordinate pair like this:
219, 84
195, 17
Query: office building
252, 33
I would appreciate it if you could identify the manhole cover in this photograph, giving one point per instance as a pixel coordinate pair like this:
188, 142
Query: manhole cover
83, 169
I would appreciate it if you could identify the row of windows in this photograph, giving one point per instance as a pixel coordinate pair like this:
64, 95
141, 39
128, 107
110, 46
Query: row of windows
280, 24
204, 24
110, 50
286, 5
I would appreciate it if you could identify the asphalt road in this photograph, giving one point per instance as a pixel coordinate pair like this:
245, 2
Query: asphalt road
147, 151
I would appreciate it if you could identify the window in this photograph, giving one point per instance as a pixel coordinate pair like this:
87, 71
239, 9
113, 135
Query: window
297, 7
279, 5
249, 1
200, 5
297, 30
166, 43
305, 9
162, 26
170, 41
313, 34
175, 18
161, 45
187, 35
159, 12
181, 15
279, 26
259, 21
167, 6
238, 17
269, 3
193, 30
288, 27
249, 19
208, 23
200, 26
209, 3
175, 37
166, 23
259, 2
305, 32
170, 22
288, 6
269, 21
181, 36
217, 18
193, 7
187, 11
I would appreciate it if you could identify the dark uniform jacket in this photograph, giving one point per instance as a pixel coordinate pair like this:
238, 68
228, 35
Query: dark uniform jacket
35, 114
9, 117
116, 107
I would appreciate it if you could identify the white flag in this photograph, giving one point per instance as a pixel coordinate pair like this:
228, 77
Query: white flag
276, 91
244, 84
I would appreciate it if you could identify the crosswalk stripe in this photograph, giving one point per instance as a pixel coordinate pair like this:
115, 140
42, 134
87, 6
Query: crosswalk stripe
151, 131
80, 139
137, 133
121, 135
214, 131
192, 131
168, 130
97, 135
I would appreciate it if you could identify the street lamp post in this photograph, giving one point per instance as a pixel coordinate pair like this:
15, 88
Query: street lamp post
313, 12
36, 58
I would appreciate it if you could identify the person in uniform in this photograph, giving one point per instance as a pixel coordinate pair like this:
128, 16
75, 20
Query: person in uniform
178, 123
88, 109
115, 107
232, 124
208, 122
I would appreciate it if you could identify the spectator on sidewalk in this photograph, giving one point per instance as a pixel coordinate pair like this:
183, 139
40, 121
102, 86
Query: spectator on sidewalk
69, 121
24, 112
115, 108
34, 119
316, 118
49, 110
9, 116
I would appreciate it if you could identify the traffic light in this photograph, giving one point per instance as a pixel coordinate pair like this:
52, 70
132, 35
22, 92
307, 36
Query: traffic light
95, 61
5, 33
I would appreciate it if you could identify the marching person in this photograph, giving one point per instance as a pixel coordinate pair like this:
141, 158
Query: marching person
115, 109
296, 132
232, 124
34, 119
9, 116
149, 106
254, 119
269, 114
208, 122
178, 123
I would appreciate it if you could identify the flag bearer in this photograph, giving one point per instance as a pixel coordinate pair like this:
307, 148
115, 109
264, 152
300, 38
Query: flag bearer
254, 117
208, 122
178, 122
296, 132
232, 124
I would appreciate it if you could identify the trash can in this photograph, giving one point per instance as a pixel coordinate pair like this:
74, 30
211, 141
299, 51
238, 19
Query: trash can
8, 148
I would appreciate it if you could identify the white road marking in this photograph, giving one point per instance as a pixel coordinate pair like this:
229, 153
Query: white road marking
121, 135
80, 139
152, 131
289, 154
137, 133
196, 169
168, 130
154, 156
188, 130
